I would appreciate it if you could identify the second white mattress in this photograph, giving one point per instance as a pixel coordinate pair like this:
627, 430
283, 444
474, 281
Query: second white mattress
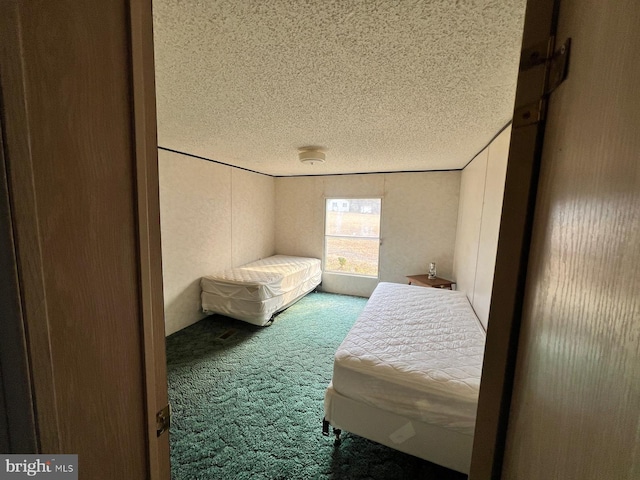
262, 279
256, 291
417, 352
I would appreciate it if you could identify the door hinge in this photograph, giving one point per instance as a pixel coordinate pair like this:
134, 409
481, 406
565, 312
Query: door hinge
556, 69
529, 114
163, 420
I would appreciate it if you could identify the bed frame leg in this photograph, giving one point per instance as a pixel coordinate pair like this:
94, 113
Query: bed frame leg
325, 431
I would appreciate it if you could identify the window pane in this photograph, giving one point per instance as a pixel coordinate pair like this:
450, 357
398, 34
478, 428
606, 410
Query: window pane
359, 217
352, 255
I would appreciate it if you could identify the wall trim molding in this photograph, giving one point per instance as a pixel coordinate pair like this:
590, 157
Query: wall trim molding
321, 175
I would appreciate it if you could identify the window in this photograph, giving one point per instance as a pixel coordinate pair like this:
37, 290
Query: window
352, 236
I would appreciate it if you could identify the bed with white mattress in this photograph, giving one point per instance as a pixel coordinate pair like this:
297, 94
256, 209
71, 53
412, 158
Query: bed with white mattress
408, 373
256, 291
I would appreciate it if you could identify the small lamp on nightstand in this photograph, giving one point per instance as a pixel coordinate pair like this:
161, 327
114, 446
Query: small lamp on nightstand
432, 270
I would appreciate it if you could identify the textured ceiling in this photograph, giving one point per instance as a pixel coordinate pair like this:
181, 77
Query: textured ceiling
380, 85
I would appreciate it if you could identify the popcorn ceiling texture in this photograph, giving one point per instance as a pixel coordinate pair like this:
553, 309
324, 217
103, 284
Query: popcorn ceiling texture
381, 85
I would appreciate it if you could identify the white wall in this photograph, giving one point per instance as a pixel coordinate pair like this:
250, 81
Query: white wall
481, 192
469, 221
418, 225
212, 217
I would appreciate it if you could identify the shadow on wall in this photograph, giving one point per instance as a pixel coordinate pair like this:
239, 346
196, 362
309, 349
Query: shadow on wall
183, 309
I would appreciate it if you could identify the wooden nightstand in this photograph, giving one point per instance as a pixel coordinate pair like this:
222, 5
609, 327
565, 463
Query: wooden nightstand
425, 281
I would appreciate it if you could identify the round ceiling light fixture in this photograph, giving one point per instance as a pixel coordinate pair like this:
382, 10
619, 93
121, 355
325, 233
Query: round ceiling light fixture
311, 155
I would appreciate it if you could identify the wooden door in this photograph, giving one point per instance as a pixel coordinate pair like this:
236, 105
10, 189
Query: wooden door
575, 410
79, 136
573, 405
566, 282
17, 422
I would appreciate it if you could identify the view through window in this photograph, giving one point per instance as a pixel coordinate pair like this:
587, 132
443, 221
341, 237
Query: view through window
352, 235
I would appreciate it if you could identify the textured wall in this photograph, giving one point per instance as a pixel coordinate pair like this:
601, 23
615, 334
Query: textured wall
490, 226
212, 217
481, 192
300, 216
419, 222
469, 220
253, 216
419, 214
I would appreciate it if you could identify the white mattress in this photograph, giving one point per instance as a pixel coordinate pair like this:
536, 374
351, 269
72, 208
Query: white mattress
416, 352
257, 290
424, 440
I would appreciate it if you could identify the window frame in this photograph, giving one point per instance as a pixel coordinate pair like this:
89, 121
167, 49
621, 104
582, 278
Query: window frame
325, 235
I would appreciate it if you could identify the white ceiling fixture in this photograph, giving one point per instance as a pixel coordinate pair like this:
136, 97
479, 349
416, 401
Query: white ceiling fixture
311, 155
391, 86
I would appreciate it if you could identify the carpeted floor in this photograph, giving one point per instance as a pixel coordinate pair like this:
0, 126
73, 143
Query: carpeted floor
248, 401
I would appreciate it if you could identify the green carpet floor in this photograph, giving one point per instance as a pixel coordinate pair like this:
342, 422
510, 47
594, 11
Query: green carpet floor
250, 406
